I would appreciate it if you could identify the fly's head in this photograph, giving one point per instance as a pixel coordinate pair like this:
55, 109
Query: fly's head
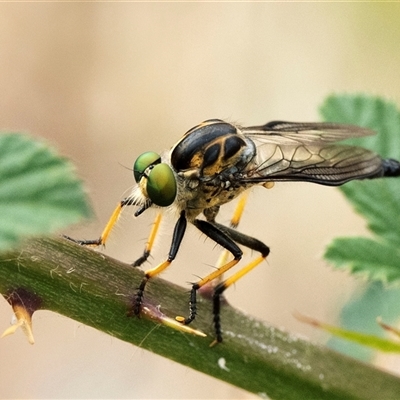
156, 180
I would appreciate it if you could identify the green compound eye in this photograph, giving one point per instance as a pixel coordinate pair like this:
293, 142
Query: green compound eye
143, 162
161, 185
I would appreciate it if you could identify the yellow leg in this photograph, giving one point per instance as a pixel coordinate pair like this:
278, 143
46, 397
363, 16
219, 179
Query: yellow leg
101, 241
217, 273
150, 241
110, 224
236, 217
237, 214
247, 268
153, 233
150, 273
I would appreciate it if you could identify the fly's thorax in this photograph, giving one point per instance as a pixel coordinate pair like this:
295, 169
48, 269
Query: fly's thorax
212, 147
207, 163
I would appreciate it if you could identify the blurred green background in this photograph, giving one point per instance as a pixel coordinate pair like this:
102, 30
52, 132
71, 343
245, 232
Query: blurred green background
104, 82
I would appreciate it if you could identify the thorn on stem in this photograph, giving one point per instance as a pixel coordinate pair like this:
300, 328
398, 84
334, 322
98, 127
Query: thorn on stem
24, 304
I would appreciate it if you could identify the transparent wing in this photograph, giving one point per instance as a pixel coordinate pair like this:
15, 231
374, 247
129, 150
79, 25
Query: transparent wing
290, 151
282, 132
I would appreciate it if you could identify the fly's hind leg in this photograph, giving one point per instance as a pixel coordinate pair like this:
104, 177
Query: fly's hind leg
229, 238
234, 223
217, 235
222, 265
251, 243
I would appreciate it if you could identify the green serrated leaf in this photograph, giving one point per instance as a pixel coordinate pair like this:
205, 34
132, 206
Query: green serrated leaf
39, 191
376, 261
377, 201
371, 112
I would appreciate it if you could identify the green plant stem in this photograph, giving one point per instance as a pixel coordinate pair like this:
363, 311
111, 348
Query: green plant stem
97, 290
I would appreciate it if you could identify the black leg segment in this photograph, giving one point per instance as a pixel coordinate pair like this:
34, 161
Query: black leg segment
179, 232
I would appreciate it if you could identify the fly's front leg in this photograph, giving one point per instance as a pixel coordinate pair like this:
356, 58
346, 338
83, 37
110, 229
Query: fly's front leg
101, 241
149, 243
179, 232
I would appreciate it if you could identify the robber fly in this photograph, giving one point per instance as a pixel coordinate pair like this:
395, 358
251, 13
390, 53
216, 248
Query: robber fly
216, 161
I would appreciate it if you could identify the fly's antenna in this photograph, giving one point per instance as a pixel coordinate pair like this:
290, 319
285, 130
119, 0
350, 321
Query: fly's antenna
391, 167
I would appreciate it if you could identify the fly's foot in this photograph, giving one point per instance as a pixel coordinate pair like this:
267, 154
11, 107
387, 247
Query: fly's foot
93, 242
192, 307
136, 309
142, 308
141, 259
217, 313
